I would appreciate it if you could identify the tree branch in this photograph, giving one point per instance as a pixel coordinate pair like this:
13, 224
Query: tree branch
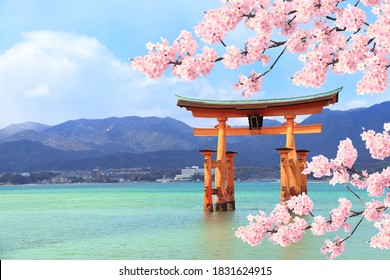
349, 236
353, 170
276, 44
273, 64
291, 20
330, 18
355, 194
357, 3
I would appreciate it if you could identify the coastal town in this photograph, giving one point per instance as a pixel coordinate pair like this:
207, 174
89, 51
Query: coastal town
97, 175
131, 175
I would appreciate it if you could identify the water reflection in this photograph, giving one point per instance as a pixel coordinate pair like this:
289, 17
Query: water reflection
217, 233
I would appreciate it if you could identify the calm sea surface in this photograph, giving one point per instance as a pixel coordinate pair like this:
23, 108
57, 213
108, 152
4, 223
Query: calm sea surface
154, 221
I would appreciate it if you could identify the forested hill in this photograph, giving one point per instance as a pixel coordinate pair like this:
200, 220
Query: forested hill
163, 143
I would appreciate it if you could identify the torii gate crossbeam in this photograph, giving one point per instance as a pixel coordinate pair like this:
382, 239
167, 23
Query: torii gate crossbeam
292, 161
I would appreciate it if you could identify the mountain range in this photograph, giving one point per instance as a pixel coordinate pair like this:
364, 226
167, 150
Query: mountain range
164, 143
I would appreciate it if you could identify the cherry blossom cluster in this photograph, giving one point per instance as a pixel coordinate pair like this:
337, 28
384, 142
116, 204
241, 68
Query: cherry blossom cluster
287, 223
341, 168
300, 204
321, 166
378, 143
382, 239
376, 185
327, 35
351, 18
374, 210
182, 54
249, 85
284, 229
333, 249
280, 226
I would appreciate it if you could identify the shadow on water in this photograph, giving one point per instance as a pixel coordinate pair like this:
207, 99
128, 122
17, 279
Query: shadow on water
217, 233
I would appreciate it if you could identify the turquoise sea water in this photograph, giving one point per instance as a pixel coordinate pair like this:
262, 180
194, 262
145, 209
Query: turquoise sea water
154, 221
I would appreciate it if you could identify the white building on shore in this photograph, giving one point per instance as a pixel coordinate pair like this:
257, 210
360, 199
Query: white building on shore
188, 172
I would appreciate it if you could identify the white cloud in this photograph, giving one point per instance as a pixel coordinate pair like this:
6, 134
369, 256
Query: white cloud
38, 91
358, 103
51, 77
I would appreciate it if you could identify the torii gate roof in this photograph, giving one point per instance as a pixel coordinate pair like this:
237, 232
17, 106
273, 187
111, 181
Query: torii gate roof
303, 105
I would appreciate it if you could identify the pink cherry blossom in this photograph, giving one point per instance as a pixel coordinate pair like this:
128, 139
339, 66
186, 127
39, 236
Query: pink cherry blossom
377, 143
300, 204
280, 215
232, 58
305, 10
319, 166
351, 18
374, 210
261, 22
249, 85
299, 41
333, 249
255, 47
377, 182
206, 58
387, 200
339, 215
371, 2
359, 181
319, 226
289, 233
257, 229
382, 239
350, 57
186, 43
346, 153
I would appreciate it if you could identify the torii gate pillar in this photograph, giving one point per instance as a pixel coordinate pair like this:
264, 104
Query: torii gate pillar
294, 174
231, 203
292, 163
220, 172
302, 164
208, 180
224, 200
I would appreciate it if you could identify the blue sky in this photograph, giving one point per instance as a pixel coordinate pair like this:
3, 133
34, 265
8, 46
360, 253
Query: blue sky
62, 60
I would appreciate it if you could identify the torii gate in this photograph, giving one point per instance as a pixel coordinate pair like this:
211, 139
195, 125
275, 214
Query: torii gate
292, 161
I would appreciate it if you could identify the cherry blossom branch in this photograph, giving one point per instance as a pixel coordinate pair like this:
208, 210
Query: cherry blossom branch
354, 171
276, 44
357, 3
353, 231
273, 64
355, 194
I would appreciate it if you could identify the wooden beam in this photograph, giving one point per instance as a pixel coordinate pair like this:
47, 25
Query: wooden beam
267, 130
301, 109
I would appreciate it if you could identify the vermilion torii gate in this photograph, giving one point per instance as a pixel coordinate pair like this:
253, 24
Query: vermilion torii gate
292, 161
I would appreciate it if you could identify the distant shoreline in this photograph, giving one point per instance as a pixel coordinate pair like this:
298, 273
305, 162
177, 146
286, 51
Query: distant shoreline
145, 182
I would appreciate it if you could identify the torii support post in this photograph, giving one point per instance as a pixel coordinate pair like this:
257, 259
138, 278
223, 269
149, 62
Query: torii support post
220, 172
294, 174
302, 164
208, 179
284, 174
231, 204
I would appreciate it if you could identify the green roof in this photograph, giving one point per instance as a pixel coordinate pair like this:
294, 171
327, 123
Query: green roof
204, 103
